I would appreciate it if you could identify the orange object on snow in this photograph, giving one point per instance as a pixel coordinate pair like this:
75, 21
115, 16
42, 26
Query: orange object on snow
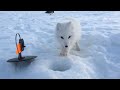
18, 49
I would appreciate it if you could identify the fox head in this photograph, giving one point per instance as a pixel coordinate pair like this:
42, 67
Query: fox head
65, 34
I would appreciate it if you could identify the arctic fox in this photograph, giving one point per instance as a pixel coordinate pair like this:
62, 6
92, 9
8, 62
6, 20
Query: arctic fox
68, 34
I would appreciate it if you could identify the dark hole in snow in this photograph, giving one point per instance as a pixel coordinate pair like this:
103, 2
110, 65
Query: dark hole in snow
60, 66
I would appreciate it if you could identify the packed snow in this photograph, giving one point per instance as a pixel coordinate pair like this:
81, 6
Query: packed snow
100, 45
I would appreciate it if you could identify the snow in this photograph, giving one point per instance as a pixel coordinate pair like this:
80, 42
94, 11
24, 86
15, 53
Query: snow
100, 45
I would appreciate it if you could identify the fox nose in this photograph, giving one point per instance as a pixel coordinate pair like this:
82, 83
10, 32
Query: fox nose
66, 46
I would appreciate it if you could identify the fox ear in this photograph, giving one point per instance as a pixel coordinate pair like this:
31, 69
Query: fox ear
70, 25
58, 26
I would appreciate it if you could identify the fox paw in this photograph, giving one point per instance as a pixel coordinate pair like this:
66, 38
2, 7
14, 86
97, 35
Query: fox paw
63, 54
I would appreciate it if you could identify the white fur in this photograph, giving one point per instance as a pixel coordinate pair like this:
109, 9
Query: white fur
68, 27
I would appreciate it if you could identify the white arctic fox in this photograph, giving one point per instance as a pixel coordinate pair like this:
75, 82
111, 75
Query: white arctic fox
68, 33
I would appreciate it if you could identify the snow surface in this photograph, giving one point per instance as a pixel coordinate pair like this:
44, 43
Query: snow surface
100, 45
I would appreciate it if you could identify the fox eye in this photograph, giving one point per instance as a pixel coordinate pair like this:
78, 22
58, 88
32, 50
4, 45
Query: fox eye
69, 37
62, 37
